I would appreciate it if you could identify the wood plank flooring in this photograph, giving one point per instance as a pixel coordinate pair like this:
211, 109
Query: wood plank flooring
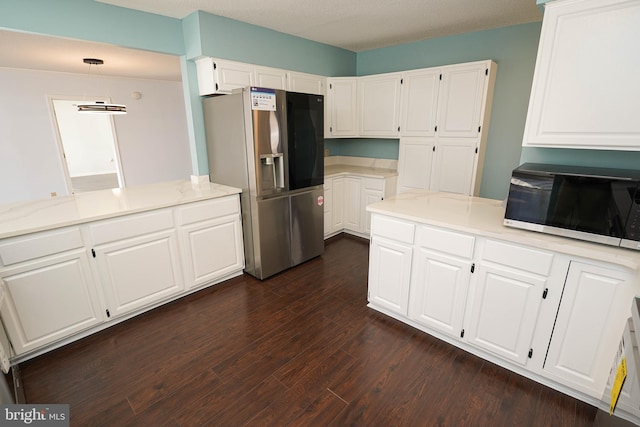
299, 349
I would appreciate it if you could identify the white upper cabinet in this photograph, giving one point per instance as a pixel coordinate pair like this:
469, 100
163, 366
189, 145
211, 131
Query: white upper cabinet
306, 83
273, 78
419, 102
220, 76
585, 91
341, 118
462, 99
379, 103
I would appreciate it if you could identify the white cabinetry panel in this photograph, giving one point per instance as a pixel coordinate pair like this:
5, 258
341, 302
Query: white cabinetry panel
588, 327
389, 274
419, 102
379, 105
49, 299
341, 119
415, 163
585, 91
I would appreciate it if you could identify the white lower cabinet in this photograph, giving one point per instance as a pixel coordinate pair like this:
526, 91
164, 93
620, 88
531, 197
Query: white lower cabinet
390, 264
58, 285
48, 299
440, 279
139, 272
558, 317
211, 240
348, 197
594, 308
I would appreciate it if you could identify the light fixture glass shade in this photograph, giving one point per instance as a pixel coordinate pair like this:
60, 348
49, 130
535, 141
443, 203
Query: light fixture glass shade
100, 107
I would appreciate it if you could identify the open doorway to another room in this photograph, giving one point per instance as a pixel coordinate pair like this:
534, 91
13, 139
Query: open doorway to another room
88, 147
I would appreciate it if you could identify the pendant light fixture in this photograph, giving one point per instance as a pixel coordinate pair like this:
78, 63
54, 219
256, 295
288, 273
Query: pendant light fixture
99, 107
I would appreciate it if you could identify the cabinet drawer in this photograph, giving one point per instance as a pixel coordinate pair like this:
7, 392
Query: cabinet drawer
391, 228
526, 259
446, 241
131, 226
38, 245
374, 184
210, 209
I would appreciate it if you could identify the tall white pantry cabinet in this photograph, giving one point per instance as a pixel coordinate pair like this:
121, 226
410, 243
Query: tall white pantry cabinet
445, 113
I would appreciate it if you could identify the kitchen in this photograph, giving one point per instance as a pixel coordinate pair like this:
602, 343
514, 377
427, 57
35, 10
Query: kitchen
513, 48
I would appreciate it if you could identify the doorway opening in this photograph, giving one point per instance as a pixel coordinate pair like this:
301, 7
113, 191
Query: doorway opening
88, 147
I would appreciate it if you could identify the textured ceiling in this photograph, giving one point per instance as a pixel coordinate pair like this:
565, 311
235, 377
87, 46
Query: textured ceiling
356, 25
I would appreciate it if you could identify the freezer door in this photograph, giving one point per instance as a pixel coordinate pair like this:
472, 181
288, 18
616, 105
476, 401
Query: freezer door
307, 225
273, 237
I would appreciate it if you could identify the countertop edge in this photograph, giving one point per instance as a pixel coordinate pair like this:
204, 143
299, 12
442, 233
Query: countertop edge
610, 254
14, 217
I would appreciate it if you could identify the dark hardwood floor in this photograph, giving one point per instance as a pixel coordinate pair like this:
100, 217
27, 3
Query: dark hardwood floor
299, 349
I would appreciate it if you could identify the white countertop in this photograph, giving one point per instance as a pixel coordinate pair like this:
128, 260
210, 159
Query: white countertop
484, 217
371, 172
28, 217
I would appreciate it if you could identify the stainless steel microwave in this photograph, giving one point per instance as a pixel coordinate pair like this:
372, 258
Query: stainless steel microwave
594, 204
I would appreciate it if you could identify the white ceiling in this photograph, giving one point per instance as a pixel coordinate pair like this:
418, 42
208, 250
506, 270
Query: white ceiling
355, 25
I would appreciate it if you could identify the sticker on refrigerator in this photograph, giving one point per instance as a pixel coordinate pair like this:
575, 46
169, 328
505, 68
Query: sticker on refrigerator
320, 200
263, 99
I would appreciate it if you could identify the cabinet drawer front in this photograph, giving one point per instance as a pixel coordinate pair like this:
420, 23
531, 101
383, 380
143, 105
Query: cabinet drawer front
38, 245
131, 226
446, 241
374, 184
391, 228
210, 209
526, 259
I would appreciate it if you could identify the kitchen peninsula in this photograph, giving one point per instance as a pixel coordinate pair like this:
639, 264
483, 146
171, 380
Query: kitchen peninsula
73, 265
550, 308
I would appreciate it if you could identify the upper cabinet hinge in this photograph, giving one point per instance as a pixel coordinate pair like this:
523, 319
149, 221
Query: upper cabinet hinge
530, 353
436, 129
434, 148
330, 85
93, 252
544, 294
214, 66
217, 87
486, 72
401, 81
479, 128
473, 267
476, 150
440, 76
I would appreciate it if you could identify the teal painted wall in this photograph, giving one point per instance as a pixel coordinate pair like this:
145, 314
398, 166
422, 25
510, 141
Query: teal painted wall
94, 21
363, 147
514, 49
594, 158
229, 39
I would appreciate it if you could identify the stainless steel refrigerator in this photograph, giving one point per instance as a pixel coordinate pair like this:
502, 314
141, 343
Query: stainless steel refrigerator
270, 143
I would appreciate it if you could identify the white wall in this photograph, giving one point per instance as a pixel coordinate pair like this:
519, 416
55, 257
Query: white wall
152, 137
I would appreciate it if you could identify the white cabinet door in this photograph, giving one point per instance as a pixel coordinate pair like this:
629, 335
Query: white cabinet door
389, 274
140, 271
461, 100
49, 299
589, 326
439, 291
419, 107
454, 166
353, 203
328, 207
415, 163
369, 196
306, 83
213, 249
379, 105
504, 311
342, 105
337, 200
585, 91
221, 76
272, 78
